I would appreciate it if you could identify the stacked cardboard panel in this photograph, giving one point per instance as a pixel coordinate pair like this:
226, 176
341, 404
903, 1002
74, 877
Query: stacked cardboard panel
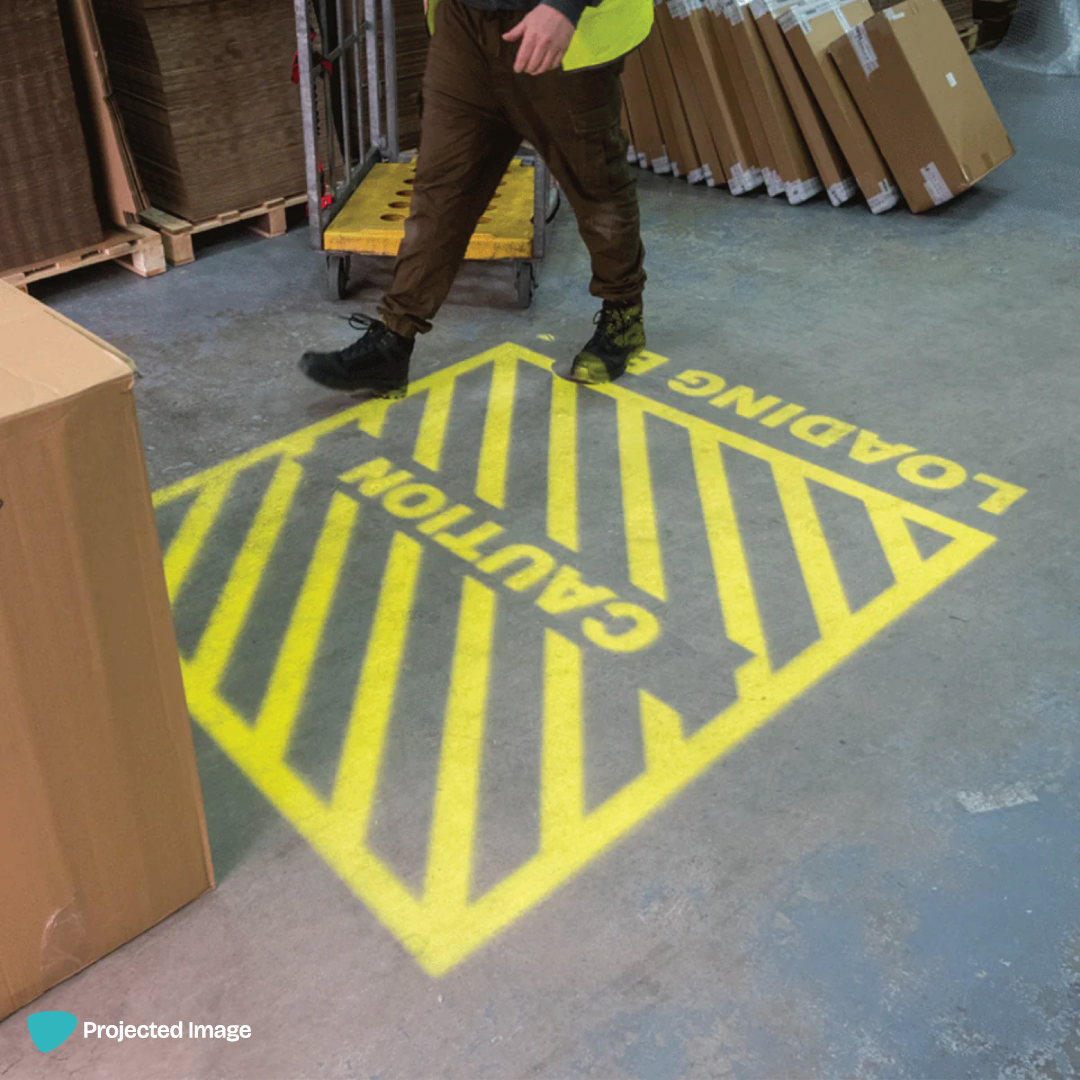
792, 94
810, 30
205, 90
47, 204
411, 54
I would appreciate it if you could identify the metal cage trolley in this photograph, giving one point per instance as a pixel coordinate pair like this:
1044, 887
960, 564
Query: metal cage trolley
358, 185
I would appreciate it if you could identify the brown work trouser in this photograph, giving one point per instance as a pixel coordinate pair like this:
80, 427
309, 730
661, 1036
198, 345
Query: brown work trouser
476, 111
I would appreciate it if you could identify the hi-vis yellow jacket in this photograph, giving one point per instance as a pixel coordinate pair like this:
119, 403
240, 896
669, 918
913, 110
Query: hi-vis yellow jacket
607, 31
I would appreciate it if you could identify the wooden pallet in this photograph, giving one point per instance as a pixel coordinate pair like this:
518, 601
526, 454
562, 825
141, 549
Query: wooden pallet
267, 219
969, 35
135, 248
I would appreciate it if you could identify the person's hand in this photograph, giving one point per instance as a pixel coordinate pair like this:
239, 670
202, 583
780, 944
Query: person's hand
545, 36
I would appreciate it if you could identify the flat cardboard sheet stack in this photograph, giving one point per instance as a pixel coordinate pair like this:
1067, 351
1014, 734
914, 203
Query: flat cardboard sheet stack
812, 97
207, 98
412, 42
47, 205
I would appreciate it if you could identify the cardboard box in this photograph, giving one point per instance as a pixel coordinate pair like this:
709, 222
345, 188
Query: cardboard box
648, 139
918, 90
678, 141
628, 130
743, 172
689, 92
796, 175
101, 824
763, 157
824, 149
810, 29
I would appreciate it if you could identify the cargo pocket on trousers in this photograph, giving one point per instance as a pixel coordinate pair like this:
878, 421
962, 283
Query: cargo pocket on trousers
601, 147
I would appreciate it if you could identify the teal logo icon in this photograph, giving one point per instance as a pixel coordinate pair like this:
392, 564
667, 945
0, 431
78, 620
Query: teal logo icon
51, 1029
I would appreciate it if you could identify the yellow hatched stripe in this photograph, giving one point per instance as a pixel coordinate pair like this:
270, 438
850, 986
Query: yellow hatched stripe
562, 493
457, 794
562, 754
896, 541
495, 447
373, 704
735, 588
432, 434
231, 611
639, 508
662, 735
200, 518
300, 646
823, 583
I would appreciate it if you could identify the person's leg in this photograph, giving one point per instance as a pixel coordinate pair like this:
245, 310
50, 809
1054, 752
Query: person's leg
466, 144
574, 119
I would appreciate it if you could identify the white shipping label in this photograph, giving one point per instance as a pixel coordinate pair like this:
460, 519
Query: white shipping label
893, 15
860, 42
950, 78
841, 18
794, 16
885, 199
935, 184
799, 191
740, 180
643, 160
813, 8
661, 165
759, 8
695, 176
840, 193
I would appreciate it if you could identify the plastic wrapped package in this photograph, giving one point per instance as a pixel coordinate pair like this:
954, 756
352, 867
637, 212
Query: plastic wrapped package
1044, 37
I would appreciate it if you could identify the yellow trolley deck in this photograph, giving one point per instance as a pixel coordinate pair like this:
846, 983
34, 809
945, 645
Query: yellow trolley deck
358, 189
372, 223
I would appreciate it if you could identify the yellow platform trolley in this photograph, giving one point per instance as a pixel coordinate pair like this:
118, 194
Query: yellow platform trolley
358, 185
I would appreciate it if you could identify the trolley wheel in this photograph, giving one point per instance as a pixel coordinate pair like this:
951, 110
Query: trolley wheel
337, 276
526, 284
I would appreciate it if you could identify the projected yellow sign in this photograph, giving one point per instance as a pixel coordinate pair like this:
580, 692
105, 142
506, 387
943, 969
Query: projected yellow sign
422, 574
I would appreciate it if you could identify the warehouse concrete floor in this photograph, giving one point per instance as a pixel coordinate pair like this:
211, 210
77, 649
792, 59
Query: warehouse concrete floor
880, 880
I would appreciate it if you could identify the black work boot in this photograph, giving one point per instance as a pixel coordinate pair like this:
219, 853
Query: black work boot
618, 338
377, 362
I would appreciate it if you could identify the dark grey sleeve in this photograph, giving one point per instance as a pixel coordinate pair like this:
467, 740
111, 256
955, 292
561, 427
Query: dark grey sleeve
572, 9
